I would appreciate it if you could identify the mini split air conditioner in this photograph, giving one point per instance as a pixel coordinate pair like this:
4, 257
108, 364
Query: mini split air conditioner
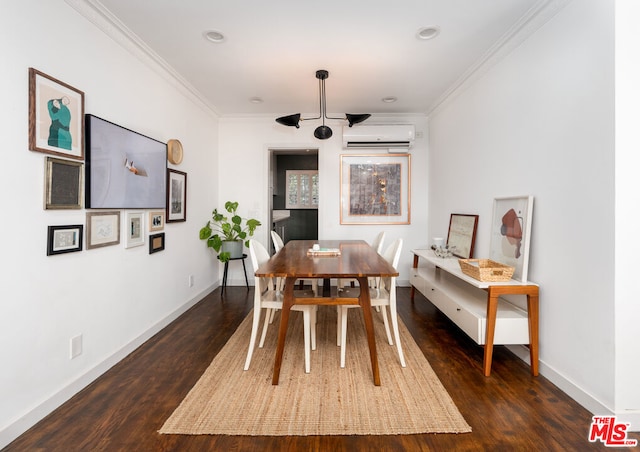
394, 137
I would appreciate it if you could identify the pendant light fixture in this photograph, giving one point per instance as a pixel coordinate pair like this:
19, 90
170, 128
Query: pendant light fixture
322, 132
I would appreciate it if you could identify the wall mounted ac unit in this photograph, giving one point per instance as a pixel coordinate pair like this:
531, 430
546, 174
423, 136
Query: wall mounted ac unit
395, 137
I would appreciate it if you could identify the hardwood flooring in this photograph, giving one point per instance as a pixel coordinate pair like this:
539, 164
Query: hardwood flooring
124, 408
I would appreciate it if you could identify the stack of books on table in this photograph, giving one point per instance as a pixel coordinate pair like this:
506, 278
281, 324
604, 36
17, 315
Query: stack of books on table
323, 252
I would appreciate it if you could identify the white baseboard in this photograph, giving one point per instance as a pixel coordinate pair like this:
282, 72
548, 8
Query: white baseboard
590, 403
36, 414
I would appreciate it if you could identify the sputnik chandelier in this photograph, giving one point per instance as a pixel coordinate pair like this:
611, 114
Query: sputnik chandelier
322, 132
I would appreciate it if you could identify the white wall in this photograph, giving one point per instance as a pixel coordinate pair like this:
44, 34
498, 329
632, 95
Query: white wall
627, 215
115, 297
541, 122
245, 144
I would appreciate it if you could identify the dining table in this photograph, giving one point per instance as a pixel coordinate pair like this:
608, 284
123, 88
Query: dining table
331, 259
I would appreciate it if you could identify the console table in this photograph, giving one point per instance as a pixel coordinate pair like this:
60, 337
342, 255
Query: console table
476, 307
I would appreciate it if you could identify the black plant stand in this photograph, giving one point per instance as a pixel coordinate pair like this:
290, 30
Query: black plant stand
226, 270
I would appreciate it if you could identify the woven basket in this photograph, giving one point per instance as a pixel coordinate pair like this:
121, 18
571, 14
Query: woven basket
486, 270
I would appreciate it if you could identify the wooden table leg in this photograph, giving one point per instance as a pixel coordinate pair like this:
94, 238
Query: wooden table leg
492, 312
284, 322
365, 304
532, 308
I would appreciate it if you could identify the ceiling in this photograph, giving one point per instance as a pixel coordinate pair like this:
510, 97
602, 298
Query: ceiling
272, 49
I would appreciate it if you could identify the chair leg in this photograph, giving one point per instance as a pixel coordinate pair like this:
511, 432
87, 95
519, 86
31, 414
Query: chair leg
343, 330
265, 325
306, 316
314, 321
339, 326
396, 332
386, 324
254, 334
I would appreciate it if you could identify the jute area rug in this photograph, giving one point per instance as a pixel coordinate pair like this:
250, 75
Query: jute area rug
328, 401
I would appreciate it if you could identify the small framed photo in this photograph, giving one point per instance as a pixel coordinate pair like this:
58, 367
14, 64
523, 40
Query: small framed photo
134, 229
56, 116
176, 196
511, 233
63, 184
462, 234
156, 221
156, 242
64, 239
103, 229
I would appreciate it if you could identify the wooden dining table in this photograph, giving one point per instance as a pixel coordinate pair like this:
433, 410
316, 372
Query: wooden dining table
353, 259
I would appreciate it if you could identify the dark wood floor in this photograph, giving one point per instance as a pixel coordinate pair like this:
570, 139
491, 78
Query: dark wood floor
123, 409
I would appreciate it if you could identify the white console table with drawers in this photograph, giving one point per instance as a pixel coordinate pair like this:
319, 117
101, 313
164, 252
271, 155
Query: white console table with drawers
476, 307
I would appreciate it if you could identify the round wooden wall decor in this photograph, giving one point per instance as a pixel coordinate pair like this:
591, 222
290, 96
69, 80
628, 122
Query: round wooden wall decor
174, 151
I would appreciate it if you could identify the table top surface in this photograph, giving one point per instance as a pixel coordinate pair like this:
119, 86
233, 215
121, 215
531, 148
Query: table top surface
357, 259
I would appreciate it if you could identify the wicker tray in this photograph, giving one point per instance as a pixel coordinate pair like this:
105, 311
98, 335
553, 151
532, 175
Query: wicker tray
486, 270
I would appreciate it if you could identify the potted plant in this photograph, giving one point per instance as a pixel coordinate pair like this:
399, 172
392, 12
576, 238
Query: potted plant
226, 234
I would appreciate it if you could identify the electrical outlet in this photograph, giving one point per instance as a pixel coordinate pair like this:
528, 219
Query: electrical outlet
76, 346
190, 280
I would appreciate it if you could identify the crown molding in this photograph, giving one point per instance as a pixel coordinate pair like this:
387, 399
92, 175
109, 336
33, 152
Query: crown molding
538, 15
97, 14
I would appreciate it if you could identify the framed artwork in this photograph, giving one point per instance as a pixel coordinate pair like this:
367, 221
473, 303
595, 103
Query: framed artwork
134, 229
56, 116
156, 242
375, 189
462, 234
511, 233
156, 221
125, 169
63, 184
103, 229
176, 196
64, 239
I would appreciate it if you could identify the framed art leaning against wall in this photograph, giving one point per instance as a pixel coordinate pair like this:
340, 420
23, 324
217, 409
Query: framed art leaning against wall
511, 233
462, 234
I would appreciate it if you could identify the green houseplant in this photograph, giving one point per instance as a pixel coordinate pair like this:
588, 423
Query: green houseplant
223, 231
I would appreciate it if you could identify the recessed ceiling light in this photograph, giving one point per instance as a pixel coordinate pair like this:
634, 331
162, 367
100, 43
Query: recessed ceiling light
427, 33
389, 99
256, 100
214, 36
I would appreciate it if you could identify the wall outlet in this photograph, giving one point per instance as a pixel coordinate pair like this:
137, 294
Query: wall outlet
76, 346
190, 280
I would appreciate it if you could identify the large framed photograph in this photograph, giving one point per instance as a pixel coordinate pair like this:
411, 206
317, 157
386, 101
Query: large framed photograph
156, 242
156, 221
134, 229
176, 196
124, 169
103, 229
63, 184
462, 234
64, 239
511, 233
56, 116
375, 189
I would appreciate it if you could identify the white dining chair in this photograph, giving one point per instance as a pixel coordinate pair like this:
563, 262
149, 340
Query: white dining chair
377, 245
383, 296
278, 244
268, 298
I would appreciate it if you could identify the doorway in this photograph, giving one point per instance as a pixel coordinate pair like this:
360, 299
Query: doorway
297, 223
